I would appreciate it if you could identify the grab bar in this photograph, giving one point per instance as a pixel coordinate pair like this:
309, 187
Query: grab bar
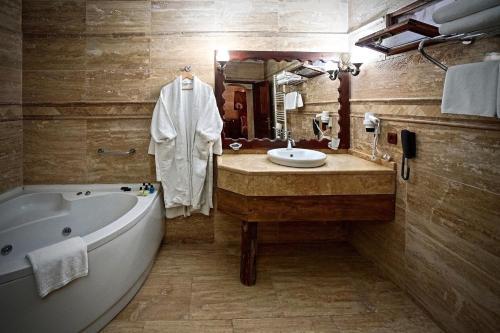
102, 151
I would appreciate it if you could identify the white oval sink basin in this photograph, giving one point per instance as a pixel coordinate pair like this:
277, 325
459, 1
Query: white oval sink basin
296, 157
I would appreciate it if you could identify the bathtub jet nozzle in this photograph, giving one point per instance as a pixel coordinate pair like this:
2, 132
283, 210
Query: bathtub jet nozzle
66, 231
6, 250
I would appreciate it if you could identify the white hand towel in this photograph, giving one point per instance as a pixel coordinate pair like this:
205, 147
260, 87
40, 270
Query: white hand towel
56, 265
300, 103
293, 100
472, 89
461, 8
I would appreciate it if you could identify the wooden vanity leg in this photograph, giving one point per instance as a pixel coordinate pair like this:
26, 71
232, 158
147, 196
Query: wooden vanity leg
248, 259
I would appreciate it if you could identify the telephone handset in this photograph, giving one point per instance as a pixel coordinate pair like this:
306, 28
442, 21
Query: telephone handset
409, 151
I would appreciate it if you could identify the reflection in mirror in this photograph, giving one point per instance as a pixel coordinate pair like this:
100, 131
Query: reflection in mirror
271, 99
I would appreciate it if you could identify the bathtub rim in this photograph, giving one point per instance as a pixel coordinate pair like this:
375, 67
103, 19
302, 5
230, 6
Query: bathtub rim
94, 239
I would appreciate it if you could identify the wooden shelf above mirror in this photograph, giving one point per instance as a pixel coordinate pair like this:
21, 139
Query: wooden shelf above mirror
405, 28
381, 40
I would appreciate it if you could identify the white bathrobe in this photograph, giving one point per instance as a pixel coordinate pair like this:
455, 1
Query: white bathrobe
185, 133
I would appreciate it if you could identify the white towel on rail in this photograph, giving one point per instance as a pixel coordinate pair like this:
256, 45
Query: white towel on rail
462, 8
293, 100
483, 20
56, 265
472, 89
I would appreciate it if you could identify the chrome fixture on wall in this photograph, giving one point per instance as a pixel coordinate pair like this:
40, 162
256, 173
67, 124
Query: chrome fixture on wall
345, 66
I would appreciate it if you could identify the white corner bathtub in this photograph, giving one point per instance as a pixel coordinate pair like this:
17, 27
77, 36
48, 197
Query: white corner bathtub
122, 231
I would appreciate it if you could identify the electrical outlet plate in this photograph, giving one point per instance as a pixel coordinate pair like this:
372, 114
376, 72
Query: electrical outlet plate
392, 138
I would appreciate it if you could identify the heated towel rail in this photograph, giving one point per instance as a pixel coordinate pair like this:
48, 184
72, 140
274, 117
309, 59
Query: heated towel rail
279, 93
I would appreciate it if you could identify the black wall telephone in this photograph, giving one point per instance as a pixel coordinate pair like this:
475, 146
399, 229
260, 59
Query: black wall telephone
409, 151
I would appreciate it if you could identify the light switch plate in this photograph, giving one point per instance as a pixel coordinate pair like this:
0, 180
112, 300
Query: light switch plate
392, 138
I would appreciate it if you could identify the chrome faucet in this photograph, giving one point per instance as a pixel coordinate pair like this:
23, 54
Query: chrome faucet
291, 142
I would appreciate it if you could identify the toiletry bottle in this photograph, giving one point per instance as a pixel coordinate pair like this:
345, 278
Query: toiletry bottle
140, 192
151, 188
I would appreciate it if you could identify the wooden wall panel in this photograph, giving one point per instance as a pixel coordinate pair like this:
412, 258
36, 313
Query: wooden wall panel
318, 16
11, 154
11, 125
53, 16
443, 246
116, 85
54, 151
48, 86
54, 53
460, 297
10, 85
117, 53
10, 15
460, 217
184, 16
10, 52
250, 15
118, 17
122, 135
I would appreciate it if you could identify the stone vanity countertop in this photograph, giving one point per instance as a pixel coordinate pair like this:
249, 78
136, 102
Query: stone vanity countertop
335, 164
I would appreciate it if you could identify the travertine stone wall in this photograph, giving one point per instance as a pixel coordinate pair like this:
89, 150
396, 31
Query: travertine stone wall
443, 246
11, 125
93, 71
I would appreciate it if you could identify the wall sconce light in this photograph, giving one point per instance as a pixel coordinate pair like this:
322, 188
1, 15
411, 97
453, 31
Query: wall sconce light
344, 65
221, 58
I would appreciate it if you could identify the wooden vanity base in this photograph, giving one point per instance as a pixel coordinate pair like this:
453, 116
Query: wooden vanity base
316, 208
248, 259
252, 210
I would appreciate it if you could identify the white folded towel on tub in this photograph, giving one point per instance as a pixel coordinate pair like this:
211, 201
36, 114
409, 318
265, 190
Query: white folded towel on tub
56, 265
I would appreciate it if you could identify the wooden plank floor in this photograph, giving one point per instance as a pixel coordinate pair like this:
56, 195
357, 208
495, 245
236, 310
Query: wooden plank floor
300, 288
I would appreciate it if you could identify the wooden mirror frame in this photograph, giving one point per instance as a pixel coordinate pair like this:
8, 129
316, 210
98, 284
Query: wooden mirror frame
344, 111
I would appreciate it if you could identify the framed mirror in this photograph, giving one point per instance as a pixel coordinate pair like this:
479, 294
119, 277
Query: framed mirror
265, 97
